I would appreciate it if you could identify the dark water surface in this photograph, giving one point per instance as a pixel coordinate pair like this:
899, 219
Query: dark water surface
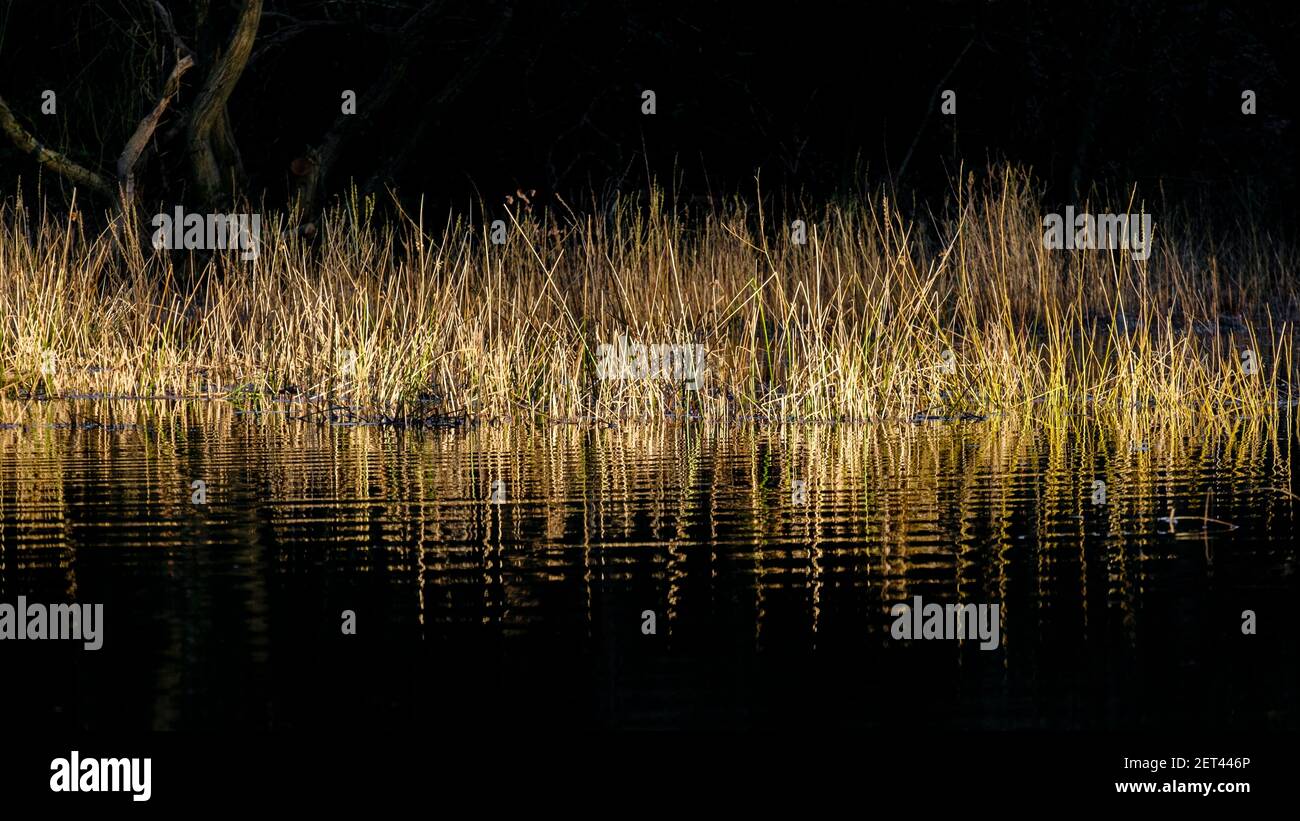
226, 616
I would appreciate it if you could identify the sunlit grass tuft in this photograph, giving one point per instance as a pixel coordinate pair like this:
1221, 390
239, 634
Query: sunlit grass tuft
877, 316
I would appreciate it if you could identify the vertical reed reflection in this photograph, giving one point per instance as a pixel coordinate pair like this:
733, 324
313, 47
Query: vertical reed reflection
695, 523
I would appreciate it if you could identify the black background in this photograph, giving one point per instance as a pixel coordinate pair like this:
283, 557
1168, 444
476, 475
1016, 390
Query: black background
815, 99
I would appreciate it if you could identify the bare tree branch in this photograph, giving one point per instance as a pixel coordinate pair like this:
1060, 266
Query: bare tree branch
320, 159
934, 95
450, 91
135, 146
59, 163
209, 112
284, 35
166, 17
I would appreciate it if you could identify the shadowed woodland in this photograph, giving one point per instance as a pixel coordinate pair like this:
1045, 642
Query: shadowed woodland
465, 102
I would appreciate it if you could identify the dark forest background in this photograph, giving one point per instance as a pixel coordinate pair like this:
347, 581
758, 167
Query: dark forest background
470, 100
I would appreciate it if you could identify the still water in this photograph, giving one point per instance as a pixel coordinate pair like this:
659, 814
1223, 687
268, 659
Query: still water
506, 577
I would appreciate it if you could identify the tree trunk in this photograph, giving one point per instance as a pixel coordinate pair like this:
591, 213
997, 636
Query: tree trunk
214, 157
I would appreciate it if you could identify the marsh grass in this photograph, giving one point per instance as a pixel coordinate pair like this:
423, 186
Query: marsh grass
878, 316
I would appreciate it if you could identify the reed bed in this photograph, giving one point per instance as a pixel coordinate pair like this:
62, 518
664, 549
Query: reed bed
959, 315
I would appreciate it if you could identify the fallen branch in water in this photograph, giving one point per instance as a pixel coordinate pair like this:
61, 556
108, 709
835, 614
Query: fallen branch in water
1173, 519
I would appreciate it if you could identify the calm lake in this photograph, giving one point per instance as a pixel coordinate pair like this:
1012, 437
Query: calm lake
500, 577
